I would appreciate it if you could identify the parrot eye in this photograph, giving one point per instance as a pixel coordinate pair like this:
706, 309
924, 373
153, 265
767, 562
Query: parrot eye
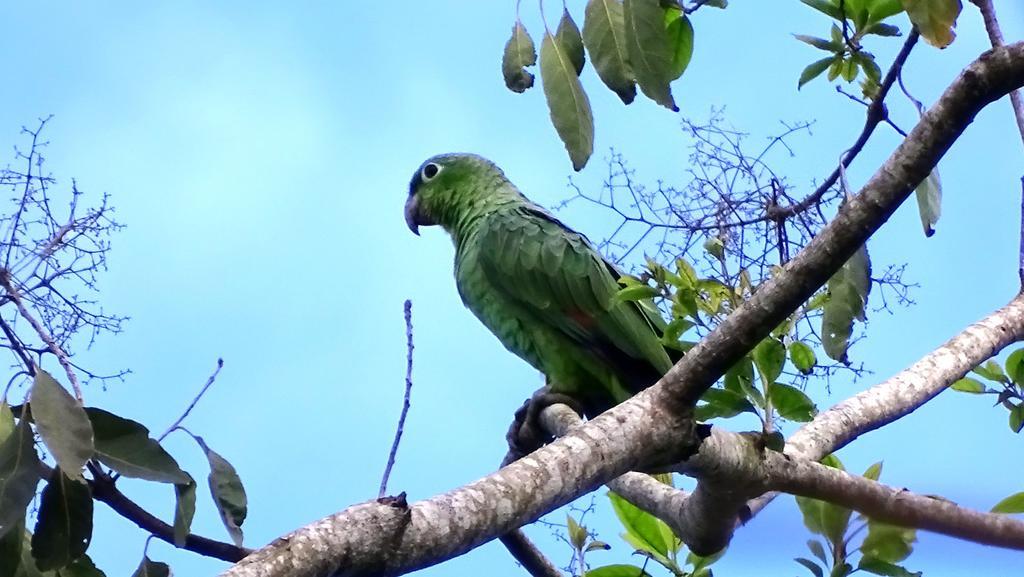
430, 171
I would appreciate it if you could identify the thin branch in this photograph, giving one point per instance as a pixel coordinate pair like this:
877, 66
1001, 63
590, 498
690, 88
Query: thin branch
405, 402
528, 555
195, 400
988, 14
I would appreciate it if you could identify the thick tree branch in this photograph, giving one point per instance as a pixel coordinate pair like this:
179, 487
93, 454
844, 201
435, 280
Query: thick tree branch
379, 539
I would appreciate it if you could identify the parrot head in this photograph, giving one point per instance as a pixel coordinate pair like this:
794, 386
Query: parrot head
445, 186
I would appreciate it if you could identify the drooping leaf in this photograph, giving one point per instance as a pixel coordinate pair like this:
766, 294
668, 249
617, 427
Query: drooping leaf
848, 297
722, 403
879, 567
867, 63
803, 357
680, 40
882, 29
813, 70
519, 54
1017, 418
650, 54
184, 510
968, 385
595, 545
604, 35
818, 550
617, 570
792, 403
568, 37
769, 357
929, 201
126, 447
81, 567
888, 542
568, 104
577, 534
64, 528
991, 371
11, 544
62, 423
820, 43
811, 566
1012, 504
19, 472
149, 568
740, 378
935, 19
642, 528
228, 493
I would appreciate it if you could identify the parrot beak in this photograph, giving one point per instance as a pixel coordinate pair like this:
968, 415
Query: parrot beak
412, 209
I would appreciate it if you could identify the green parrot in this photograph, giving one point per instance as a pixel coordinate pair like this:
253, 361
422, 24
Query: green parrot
538, 285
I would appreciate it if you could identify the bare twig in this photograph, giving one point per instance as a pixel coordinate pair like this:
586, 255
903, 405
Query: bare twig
995, 36
405, 402
209, 382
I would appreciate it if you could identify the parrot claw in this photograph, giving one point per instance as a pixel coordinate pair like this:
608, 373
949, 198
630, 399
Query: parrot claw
526, 434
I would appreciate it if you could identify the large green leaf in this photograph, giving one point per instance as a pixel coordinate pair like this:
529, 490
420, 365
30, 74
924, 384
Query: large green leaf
888, 542
184, 510
643, 530
617, 571
650, 54
519, 54
228, 492
62, 423
934, 19
125, 446
792, 403
568, 37
1012, 504
19, 471
848, 296
680, 41
722, 403
604, 35
64, 528
929, 201
569, 105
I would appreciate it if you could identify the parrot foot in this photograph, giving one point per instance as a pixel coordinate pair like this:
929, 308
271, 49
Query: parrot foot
526, 434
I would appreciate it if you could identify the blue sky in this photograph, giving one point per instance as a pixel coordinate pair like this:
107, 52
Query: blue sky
259, 154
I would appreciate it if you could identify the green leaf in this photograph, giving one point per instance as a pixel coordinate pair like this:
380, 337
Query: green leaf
968, 385
148, 568
6, 421
650, 54
568, 37
823, 518
64, 528
825, 7
792, 403
676, 329
882, 29
813, 70
991, 371
228, 493
880, 567
802, 356
126, 447
850, 70
604, 35
869, 66
636, 293
569, 106
11, 544
642, 528
882, 9
577, 534
519, 54
848, 297
1017, 418
836, 68
818, 550
769, 357
935, 19
680, 40
617, 571
1015, 366
722, 403
929, 201
1012, 504
811, 566
19, 472
888, 542
740, 378
874, 471
184, 511
62, 423
595, 545
81, 567
819, 43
